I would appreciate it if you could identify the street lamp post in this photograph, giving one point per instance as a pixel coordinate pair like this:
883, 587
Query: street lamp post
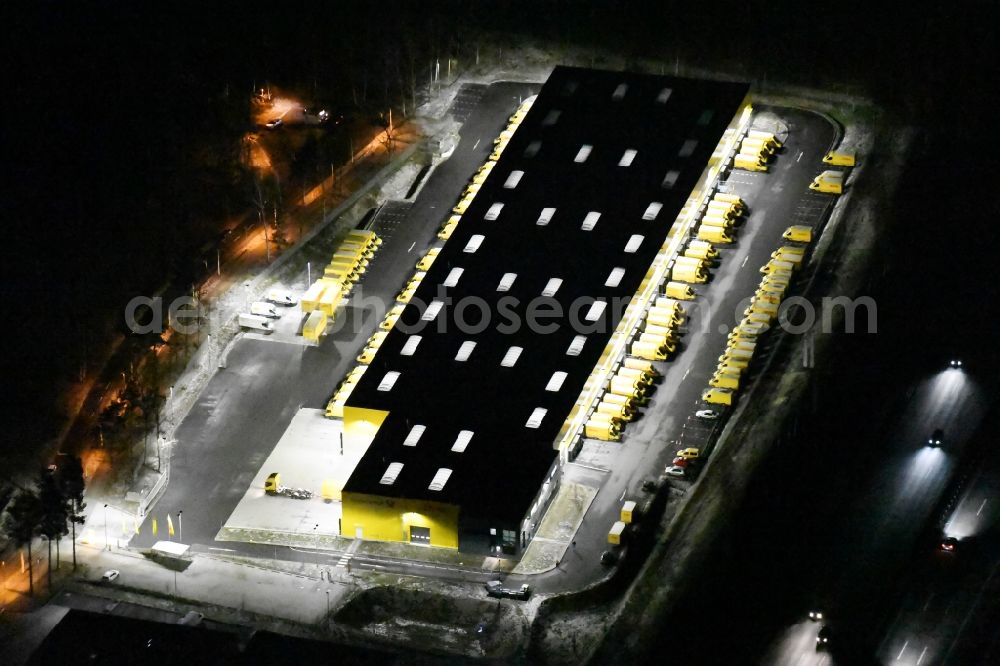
328, 607
180, 526
106, 544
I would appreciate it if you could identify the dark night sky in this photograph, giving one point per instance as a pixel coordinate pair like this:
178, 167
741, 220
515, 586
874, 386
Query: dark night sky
112, 107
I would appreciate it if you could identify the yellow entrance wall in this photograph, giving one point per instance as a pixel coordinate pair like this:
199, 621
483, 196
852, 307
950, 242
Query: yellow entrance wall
390, 519
361, 424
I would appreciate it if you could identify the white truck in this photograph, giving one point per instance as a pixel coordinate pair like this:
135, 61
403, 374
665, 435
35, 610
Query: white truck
255, 322
280, 297
264, 309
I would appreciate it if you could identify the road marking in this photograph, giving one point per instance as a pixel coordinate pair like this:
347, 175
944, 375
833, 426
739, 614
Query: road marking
922, 653
622, 497
799, 157
224, 550
686, 374
476, 144
344, 559
602, 470
745, 259
411, 247
900, 655
981, 507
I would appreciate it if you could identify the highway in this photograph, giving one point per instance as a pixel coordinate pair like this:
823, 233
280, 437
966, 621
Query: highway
882, 525
948, 611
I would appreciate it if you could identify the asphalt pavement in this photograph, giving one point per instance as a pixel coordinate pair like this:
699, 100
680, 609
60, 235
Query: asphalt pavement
949, 610
879, 529
246, 407
776, 200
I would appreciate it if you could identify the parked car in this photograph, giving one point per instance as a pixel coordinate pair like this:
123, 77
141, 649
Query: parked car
110, 575
674, 470
495, 588
707, 414
609, 558
680, 461
689, 453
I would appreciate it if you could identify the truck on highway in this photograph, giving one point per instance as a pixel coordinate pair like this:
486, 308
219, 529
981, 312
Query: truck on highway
255, 322
272, 486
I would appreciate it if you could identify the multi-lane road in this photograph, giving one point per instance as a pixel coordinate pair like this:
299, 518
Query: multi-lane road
948, 612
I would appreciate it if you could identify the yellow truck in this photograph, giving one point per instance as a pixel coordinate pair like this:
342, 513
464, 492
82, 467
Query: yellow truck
615, 411
628, 512
775, 266
716, 221
315, 325
702, 249
366, 235
309, 300
712, 234
425, 262
723, 209
606, 431
639, 364
673, 314
766, 136
448, 228
844, 158
615, 399
623, 386
726, 381
638, 376
343, 274
798, 233
391, 316
733, 199
751, 144
617, 533
828, 182
679, 291
688, 272
657, 321
717, 396
463, 204
648, 352
330, 299
749, 163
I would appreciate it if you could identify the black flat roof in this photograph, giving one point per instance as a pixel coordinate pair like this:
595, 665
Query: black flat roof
673, 125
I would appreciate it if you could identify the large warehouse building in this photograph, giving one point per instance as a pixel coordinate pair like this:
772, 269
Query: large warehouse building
464, 419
